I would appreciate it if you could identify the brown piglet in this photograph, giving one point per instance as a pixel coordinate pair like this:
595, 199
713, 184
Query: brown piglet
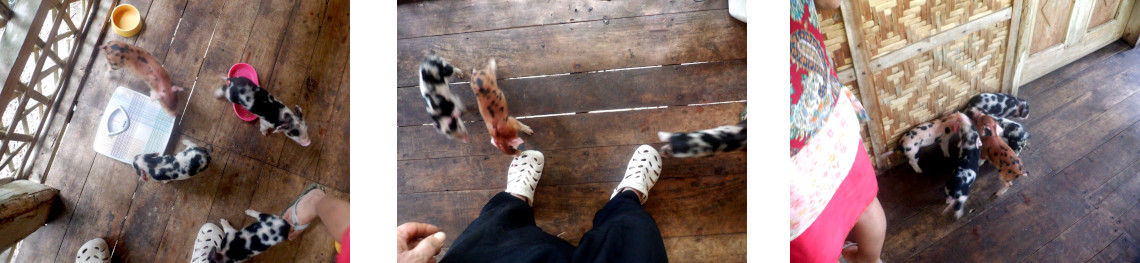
493, 106
995, 150
145, 66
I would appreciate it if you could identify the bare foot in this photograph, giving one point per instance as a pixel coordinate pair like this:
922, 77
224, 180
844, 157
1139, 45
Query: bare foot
306, 211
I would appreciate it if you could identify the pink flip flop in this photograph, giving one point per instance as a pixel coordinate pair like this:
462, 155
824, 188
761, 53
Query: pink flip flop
244, 70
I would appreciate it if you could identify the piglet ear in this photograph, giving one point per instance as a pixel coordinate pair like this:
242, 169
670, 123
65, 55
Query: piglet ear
297, 108
284, 126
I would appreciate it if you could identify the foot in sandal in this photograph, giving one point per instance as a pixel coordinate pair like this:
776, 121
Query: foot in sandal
207, 243
303, 211
523, 175
641, 173
94, 251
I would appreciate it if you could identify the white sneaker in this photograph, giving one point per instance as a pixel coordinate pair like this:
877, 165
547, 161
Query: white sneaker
642, 172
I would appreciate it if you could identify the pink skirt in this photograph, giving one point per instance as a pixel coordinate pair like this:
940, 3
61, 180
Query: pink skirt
823, 240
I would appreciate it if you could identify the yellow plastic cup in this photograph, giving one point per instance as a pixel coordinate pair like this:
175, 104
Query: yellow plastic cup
125, 20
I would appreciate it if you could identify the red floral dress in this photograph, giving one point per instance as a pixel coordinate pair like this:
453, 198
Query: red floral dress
832, 180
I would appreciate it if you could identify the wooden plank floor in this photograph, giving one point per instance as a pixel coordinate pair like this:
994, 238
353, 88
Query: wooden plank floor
683, 69
1082, 200
300, 49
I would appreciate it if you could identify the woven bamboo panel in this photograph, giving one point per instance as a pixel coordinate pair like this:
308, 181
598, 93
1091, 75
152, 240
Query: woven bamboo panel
939, 81
888, 25
835, 37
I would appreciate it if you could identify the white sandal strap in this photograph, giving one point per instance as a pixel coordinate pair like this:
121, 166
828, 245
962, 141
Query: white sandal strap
296, 219
642, 172
524, 173
94, 250
210, 237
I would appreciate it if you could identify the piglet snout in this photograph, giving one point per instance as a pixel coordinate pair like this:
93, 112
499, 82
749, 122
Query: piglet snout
305, 142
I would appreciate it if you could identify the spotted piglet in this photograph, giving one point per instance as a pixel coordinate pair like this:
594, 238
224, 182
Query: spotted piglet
999, 105
175, 167
969, 155
705, 143
147, 67
238, 246
272, 113
927, 134
444, 106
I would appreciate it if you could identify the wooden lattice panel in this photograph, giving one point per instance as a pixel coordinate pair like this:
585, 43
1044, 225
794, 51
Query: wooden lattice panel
1103, 11
1051, 25
888, 25
938, 81
835, 37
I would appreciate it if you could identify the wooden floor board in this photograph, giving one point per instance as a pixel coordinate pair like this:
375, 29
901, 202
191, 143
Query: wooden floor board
634, 70
317, 98
182, 228
73, 164
199, 40
669, 39
565, 167
332, 166
650, 87
102, 208
225, 48
622, 128
431, 18
290, 71
1123, 249
1071, 71
696, 248
1078, 204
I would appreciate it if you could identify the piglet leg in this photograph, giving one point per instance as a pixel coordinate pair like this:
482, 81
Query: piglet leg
520, 126
1005, 187
264, 127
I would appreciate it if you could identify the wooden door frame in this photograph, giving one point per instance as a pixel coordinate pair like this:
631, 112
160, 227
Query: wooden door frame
1071, 48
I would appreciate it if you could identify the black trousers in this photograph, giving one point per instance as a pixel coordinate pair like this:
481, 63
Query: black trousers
505, 232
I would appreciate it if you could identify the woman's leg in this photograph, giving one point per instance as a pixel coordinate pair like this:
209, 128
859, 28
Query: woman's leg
869, 233
334, 215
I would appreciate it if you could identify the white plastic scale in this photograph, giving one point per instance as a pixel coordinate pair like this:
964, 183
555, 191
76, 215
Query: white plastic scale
132, 124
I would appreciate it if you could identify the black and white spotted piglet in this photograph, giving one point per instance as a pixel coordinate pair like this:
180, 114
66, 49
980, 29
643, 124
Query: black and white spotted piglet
239, 246
705, 142
958, 185
1016, 136
999, 105
181, 166
443, 106
271, 113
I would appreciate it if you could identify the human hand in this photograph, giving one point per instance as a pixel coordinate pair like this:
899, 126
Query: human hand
418, 242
